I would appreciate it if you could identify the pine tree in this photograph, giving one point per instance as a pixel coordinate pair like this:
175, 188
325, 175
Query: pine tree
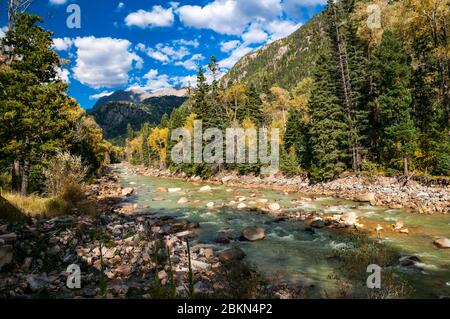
145, 155
328, 126
33, 100
253, 107
392, 75
130, 132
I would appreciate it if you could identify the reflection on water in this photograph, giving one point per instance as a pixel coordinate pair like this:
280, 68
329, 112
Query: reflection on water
290, 252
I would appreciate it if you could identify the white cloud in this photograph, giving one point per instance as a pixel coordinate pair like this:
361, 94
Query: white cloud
63, 75
154, 81
62, 44
280, 29
193, 43
120, 6
229, 45
161, 57
229, 16
237, 53
104, 62
58, 2
174, 54
192, 63
100, 95
3, 31
255, 34
158, 17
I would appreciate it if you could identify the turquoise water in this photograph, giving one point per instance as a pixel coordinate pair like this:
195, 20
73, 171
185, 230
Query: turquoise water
289, 252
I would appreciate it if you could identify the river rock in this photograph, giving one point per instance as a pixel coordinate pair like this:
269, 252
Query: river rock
161, 190
442, 243
183, 200
318, 223
6, 255
398, 225
198, 265
158, 199
262, 200
349, 219
128, 191
253, 233
206, 188
37, 283
409, 260
274, 207
226, 179
210, 205
241, 206
365, 197
174, 190
231, 254
9, 238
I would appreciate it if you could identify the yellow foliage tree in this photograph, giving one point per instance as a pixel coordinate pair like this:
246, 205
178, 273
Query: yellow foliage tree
158, 141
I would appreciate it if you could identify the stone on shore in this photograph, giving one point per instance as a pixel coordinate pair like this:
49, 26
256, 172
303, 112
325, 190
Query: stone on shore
365, 197
6, 255
274, 207
232, 254
128, 191
241, 206
253, 233
442, 243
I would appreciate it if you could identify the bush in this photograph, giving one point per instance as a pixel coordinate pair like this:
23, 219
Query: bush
64, 170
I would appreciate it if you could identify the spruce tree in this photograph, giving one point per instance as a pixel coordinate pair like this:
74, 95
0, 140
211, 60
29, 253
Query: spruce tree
392, 75
328, 126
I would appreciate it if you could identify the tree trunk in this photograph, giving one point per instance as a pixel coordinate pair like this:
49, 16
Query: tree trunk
405, 166
25, 172
15, 176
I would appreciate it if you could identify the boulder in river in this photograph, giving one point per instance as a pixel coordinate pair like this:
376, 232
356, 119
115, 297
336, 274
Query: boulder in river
161, 190
409, 260
158, 199
365, 197
349, 219
231, 254
253, 233
274, 207
174, 190
206, 188
128, 191
183, 200
442, 243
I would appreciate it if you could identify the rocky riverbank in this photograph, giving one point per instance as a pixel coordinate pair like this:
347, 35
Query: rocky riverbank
123, 244
378, 191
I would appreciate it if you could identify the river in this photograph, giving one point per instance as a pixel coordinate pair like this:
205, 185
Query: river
289, 252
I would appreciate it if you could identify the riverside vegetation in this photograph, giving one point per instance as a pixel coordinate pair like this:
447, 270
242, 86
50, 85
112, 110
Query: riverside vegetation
385, 114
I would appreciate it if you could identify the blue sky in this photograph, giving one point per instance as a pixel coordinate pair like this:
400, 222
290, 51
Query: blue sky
150, 45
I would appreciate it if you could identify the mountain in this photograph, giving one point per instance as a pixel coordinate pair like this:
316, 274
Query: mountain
138, 96
113, 113
284, 62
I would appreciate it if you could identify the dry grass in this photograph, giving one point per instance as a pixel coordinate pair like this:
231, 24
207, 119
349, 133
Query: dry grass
71, 201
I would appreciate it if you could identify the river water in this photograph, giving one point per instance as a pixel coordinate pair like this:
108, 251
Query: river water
288, 251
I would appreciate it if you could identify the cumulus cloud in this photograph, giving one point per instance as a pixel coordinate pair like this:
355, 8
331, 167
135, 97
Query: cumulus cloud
158, 17
62, 44
229, 16
63, 75
3, 31
255, 34
168, 52
192, 63
280, 29
154, 82
229, 45
104, 62
237, 53
193, 43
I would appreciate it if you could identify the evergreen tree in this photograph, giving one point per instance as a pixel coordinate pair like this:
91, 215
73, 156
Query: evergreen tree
253, 107
392, 102
328, 126
130, 132
33, 100
145, 155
